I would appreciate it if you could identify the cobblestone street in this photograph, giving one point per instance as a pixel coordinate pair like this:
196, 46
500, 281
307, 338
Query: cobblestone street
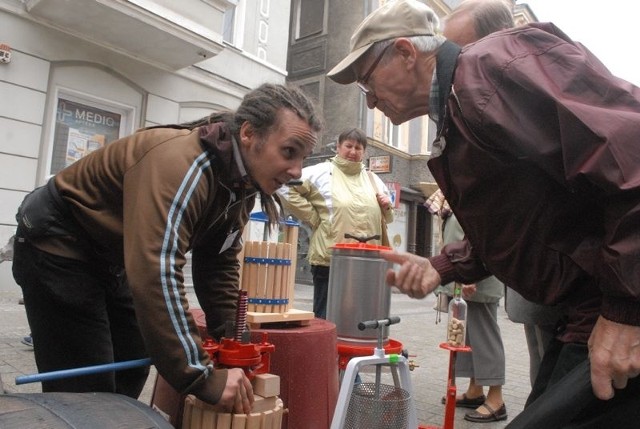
417, 332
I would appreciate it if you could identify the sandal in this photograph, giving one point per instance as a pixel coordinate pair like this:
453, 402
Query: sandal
493, 416
466, 402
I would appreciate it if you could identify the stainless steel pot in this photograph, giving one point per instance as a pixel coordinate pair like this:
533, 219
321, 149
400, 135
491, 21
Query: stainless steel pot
358, 292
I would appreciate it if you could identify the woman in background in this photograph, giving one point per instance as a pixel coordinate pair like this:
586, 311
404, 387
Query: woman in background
338, 197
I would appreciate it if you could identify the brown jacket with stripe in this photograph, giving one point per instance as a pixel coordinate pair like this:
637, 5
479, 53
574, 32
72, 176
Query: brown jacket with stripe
143, 202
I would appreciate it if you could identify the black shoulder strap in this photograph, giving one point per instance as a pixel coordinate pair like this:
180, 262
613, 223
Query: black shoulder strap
446, 60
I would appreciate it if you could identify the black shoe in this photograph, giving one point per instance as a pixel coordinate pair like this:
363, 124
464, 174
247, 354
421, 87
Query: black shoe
493, 416
27, 341
466, 402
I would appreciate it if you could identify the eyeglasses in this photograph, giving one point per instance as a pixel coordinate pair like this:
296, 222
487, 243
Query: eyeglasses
362, 83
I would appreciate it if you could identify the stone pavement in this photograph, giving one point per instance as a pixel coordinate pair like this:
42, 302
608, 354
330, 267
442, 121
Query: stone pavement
417, 332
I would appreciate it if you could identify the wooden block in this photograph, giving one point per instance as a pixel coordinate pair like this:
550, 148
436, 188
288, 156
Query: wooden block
292, 240
262, 404
263, 271
278, 418
267, 420
209, 418
223, 421
239, 421
291, 315
266, 385
286, 276
188, 409
254, 420
271, 275
279, 413
277, 282
196, 418
252, 273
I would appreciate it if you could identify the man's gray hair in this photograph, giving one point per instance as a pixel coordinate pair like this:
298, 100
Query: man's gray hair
488, 15
423, 44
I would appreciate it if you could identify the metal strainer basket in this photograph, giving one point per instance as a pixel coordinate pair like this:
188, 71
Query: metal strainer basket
378, 406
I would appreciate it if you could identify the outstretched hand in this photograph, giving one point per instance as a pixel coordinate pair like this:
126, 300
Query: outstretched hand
614, 352
415, 278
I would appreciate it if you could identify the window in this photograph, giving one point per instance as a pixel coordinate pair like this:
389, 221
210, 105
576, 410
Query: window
88, 107
411, 137
229, 24
82, 126
309, 18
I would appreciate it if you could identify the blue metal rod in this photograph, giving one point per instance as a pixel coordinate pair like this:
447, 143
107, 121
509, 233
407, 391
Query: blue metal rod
87, 370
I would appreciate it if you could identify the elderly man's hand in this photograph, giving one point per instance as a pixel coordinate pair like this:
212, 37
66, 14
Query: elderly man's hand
416, 277
614, 352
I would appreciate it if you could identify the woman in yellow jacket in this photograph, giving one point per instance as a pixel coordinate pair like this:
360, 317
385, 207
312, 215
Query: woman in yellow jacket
338, 197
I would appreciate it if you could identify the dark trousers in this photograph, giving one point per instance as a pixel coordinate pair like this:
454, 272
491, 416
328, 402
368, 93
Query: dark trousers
80, 314
320, 290
562, 396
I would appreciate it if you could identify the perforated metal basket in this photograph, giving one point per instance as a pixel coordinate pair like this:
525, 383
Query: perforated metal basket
377, 406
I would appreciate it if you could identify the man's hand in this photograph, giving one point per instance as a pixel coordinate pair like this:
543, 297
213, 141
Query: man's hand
383, 201
614, 352
469, 290
237, 396
415, 278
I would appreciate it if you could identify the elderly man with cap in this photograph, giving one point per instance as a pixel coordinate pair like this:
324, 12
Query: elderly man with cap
537, 152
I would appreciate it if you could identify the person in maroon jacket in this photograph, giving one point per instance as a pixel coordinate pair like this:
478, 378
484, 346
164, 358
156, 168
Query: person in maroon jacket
537, 154
100, 250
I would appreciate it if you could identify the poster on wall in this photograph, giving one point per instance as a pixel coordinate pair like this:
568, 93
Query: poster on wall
80, 144
380, 164
80, 129
394, 191
397, 230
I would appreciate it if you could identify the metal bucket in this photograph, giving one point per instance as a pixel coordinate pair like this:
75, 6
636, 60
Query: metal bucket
358, 292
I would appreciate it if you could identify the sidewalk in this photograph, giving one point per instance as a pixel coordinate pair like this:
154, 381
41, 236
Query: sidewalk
417, 332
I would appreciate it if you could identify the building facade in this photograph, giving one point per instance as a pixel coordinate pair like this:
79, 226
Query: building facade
81, 73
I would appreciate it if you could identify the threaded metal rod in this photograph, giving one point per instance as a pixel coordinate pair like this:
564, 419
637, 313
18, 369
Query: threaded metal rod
241, 314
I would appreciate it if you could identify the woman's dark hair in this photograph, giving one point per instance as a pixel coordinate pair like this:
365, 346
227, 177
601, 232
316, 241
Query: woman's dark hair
355, 134
260, 108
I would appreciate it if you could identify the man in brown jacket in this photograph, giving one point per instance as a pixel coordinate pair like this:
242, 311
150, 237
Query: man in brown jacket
100, 249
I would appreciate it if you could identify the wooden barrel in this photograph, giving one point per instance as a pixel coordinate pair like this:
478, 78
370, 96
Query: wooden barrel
200, 415
62, 410
266, 276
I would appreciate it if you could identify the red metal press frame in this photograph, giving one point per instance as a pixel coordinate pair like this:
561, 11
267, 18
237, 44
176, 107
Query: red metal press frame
233, 353
348, 351
450, 401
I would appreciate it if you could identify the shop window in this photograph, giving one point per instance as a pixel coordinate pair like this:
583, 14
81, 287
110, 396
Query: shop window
82, 126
